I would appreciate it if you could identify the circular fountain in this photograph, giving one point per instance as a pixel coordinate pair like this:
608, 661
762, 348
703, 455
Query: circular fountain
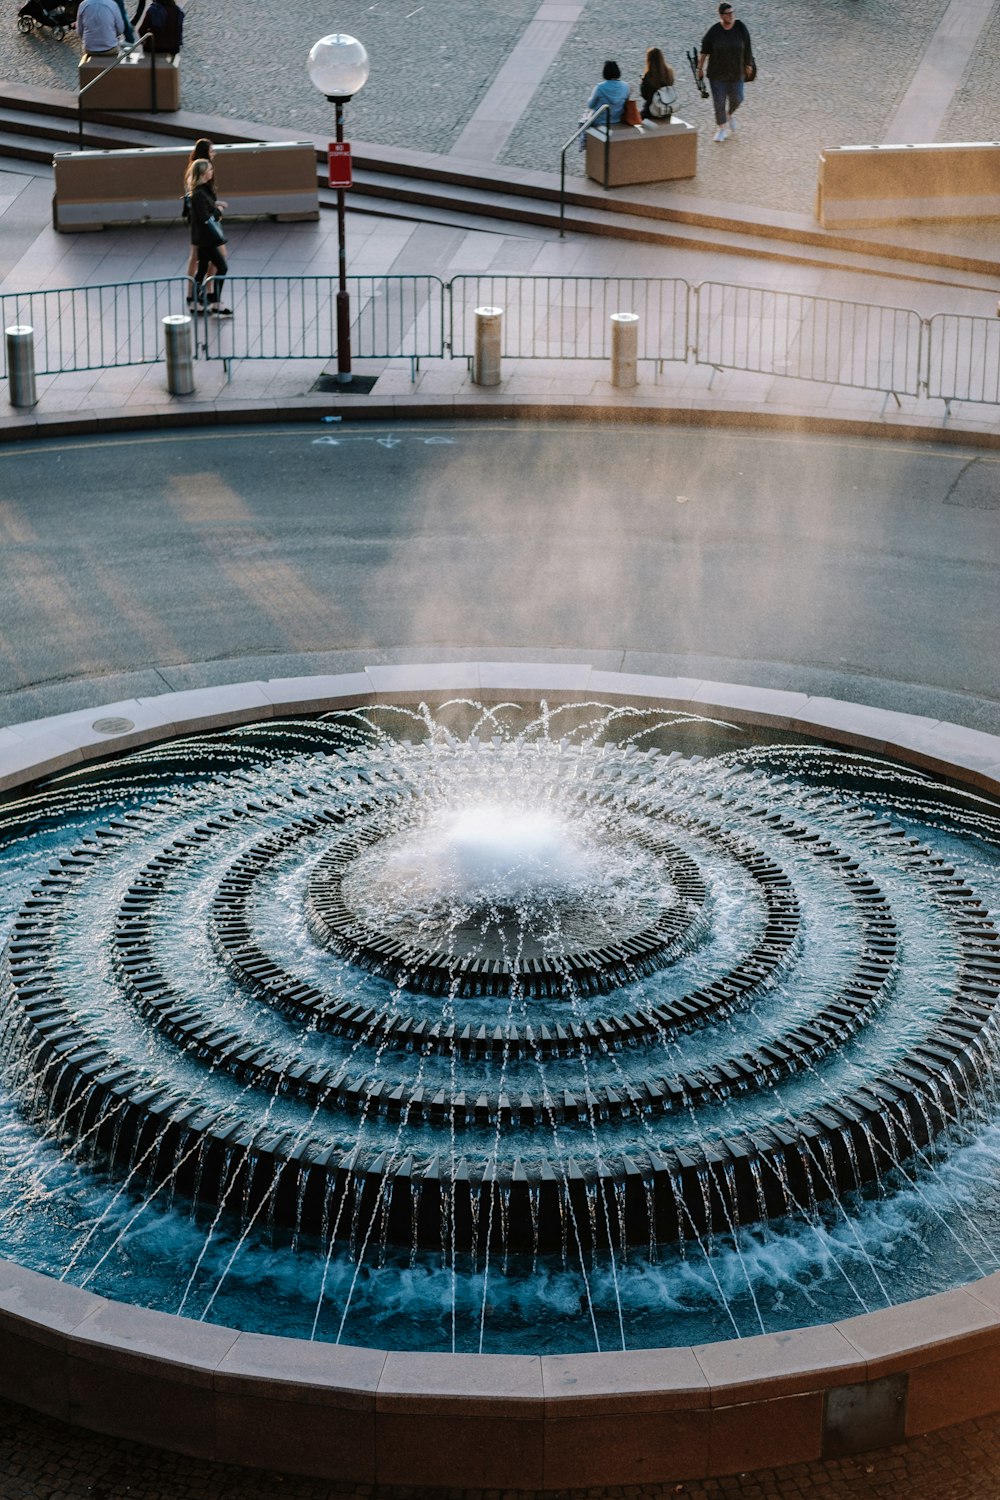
609, 1005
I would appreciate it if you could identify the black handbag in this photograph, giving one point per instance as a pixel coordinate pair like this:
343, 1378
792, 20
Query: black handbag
214, 230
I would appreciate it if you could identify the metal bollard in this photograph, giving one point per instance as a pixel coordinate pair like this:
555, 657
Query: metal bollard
624, 350
489, 332
178, 333
21, 365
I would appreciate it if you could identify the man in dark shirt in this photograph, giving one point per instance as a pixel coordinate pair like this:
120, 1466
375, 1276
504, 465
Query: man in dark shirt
726, 53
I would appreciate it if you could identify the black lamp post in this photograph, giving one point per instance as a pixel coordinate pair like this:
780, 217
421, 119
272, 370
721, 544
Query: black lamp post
338, 66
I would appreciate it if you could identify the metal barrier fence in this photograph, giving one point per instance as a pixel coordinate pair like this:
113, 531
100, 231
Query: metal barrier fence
948, 357
94, 327
963, 361
295, 317
569, 317
808, 338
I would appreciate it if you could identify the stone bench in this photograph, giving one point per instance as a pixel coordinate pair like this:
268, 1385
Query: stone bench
861, 185
659, 152
95, 189
130, 84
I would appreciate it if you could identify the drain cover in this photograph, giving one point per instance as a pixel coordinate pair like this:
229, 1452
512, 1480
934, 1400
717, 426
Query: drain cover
112, 726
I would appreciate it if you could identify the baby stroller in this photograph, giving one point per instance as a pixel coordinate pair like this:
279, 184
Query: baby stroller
57, 17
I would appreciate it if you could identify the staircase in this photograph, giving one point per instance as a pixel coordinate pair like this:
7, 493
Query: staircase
36, 123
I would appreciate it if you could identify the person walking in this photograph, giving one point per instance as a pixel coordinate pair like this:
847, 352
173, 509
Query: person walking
657, 87
206, 236
130, 35
726, 57
202, 150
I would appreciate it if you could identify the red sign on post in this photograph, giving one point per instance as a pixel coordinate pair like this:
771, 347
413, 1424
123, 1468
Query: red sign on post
339, 157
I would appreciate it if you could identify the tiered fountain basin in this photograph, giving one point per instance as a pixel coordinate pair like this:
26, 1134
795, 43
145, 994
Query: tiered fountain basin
514, 1420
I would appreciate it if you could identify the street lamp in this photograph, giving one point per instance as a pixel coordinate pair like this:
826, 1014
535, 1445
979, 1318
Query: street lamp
338, 66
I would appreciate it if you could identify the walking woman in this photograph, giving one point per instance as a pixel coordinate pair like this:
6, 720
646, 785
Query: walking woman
202, 150
206, 236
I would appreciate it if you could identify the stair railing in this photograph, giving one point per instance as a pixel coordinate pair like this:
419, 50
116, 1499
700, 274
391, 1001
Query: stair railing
123, 56
581, 129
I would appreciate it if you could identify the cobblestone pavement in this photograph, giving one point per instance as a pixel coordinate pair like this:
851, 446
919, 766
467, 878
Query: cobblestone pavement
829, 74
973, 115
44, 1460
801, 101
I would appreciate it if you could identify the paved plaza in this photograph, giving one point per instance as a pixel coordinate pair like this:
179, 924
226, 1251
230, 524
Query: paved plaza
839, 73
505, 84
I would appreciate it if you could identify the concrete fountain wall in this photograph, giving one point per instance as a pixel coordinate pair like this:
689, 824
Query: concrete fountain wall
497, 1421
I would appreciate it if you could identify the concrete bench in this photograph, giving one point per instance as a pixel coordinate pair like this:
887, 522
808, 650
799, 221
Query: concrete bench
861, 185
130, 84
660, 152
95, 189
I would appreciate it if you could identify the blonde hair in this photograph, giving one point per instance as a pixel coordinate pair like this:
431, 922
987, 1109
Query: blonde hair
197, 173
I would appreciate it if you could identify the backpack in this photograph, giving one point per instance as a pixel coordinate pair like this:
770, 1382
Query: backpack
661, 106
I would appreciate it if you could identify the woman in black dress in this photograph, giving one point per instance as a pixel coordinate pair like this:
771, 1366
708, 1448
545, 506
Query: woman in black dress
205, 208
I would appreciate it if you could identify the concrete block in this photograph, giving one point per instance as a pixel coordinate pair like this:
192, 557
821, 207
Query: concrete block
656, 153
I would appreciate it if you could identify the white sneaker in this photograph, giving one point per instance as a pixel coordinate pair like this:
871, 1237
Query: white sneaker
722, 134
732, 125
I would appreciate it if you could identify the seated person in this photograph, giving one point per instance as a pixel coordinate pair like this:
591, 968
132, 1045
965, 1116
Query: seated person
613, 91
164, 19
100, 26
657, 87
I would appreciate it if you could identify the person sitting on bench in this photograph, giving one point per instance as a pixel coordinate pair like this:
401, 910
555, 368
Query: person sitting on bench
100, 26
164, 21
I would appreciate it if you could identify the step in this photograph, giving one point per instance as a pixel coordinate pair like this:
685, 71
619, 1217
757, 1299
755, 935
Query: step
411, 185
397, 191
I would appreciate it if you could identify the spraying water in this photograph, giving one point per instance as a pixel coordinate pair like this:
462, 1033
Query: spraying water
500, 1029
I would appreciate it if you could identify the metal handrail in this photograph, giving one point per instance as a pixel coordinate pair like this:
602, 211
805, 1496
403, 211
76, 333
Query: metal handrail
584, 125
125, 53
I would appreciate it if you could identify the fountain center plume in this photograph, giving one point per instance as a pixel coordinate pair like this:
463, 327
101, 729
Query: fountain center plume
488, 855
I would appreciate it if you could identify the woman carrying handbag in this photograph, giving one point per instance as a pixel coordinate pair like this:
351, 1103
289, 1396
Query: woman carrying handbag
207, 237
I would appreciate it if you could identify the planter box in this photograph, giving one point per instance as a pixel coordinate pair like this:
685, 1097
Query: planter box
130, 84
99, 188
656, 153
861, 185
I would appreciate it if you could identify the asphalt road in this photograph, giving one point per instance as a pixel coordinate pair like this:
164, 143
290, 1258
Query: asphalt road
137, 563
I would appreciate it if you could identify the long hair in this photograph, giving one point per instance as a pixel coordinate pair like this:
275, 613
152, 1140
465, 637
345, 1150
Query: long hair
202, 150
197, 173
657, 69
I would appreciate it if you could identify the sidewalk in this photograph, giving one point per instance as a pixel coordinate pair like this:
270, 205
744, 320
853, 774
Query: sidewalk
34, 257
514, 80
